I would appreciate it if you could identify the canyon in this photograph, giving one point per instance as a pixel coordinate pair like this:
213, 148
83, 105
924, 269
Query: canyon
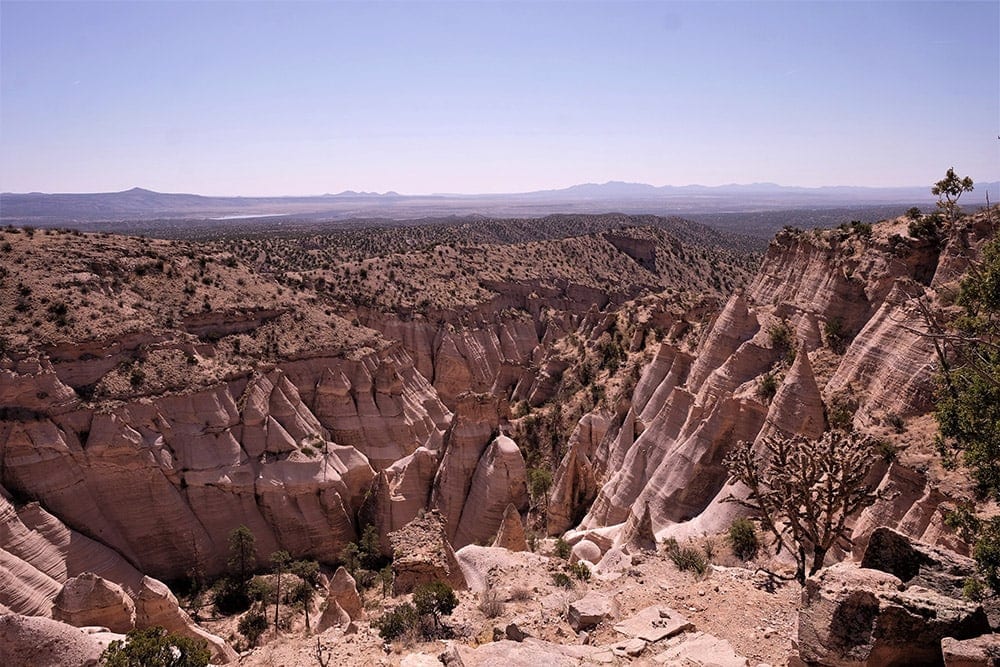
155, 395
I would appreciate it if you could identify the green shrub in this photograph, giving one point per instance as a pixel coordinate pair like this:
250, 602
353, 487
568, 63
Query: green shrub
973, 589
393, 623
743, 539
686, 558
539, 483
834, 335
563, 549
154, 647
580, 571
435, 599
987, 552
840, 412
562, 580
253, 624
781, 336
768, 387
231, 595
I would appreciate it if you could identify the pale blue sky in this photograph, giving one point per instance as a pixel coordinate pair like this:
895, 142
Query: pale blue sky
239, 98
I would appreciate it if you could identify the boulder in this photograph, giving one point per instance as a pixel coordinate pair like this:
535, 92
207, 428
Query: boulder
156, 605
92, 600
510, 535
916, 563
981, 651
343, 604
591, 610
855, 616
585, 550
43, 642
422, 554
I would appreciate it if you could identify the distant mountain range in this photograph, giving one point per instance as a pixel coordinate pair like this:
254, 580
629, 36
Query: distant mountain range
633, 198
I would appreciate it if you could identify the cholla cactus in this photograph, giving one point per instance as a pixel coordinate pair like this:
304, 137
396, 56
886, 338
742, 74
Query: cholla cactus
804, 491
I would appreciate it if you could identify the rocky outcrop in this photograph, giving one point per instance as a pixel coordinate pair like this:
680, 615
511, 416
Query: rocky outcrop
164, 480
814, 292
480, 473
510, 535
422, 554
916, 563
42, 554
90, 600
343, 604
700, 649
858, 616
155, 605
500, 481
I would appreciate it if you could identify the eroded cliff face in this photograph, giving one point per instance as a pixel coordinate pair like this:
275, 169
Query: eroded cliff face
162, 480
832, 323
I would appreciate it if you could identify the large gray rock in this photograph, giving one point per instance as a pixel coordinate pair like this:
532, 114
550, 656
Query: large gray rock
916, 563
590, 610
859, 616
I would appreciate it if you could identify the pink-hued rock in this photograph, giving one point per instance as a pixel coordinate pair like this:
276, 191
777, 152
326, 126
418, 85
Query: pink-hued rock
422, 554
500, 480
90, 600
343, 603
43, 642
510, 535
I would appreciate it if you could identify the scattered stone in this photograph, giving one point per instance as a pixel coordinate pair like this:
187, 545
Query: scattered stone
654, 624
585, 550
515, 633
632, 648
700, 649
590, 610
419, 660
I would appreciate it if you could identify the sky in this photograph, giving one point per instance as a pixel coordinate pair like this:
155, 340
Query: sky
240, 98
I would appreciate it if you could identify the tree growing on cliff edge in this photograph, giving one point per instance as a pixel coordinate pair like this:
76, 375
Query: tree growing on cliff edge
805, 490
968, 407
948, 190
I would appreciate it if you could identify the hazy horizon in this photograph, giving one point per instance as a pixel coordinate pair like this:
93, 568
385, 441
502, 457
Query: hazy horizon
303, 99
762, 184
